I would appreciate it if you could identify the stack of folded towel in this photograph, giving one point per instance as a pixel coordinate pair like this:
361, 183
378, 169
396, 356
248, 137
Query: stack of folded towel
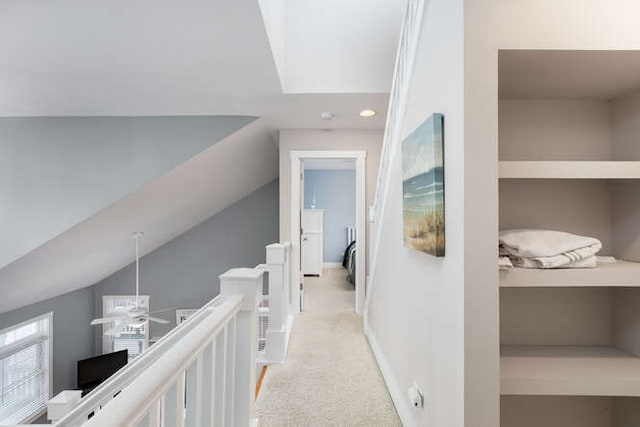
548, 249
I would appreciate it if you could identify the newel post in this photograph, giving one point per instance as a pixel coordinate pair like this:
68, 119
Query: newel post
248, 283
278, 304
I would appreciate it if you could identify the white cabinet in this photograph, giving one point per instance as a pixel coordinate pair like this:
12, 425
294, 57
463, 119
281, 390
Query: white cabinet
312, 241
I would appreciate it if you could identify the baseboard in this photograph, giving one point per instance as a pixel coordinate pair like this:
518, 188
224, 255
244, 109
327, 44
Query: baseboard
399, 398
332, 265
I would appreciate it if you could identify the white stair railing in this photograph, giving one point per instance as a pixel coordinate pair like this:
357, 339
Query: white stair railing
280, 308
200, 374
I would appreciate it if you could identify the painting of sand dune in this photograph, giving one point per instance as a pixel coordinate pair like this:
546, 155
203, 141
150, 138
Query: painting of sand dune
423, 187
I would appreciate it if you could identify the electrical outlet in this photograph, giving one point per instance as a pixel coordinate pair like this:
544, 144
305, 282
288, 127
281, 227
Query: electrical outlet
416, 398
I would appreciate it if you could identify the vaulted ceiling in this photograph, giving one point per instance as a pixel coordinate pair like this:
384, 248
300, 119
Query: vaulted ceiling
200, 57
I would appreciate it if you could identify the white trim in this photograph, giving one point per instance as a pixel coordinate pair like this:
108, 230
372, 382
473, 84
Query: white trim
332, 265
361, 221
399, 398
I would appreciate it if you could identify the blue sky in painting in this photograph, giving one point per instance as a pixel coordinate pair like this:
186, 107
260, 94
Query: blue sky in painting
420, 152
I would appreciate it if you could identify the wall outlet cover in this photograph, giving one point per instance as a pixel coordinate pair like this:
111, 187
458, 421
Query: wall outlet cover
416, 398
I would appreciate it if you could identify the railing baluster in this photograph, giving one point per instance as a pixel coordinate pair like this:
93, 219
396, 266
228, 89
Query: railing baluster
154, 414
221, 377
230, 374
214, 396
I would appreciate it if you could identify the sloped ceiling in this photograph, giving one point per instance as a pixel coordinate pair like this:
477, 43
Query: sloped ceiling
196, 57
164, 208
56, 172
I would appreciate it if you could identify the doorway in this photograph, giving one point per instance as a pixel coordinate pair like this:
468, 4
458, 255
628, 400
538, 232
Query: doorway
357, 158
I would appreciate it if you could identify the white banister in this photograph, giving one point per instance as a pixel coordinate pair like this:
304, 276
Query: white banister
207, 377
203, 372
247, 282
136, 400
95, 400
277, 330
276, 310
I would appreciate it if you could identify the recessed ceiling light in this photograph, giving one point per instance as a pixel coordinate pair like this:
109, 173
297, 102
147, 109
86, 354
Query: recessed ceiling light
367, 113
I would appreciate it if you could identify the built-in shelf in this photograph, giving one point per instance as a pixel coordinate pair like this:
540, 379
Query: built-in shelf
568, 370
617, 274
569, 169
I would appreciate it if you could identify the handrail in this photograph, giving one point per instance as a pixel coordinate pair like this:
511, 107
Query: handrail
105, 391
137, 398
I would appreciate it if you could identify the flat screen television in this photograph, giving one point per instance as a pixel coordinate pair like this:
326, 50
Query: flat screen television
94, 370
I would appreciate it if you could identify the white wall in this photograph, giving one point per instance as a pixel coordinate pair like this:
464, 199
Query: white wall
416, 310
625, 118
491, 25
554, 130
273, 15
337, 46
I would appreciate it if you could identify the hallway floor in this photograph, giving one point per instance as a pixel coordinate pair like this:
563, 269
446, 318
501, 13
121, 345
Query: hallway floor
330, 377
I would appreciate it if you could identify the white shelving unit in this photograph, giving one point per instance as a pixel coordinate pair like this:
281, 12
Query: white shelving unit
570, 338
618, 274
569, 169
569, 371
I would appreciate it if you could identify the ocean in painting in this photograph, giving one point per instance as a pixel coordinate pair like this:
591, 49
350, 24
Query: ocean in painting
423, 187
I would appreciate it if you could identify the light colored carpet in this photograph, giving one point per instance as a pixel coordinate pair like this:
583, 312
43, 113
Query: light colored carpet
330, 377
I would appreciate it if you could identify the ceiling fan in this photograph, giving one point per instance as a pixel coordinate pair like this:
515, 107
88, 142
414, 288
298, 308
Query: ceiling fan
136, 316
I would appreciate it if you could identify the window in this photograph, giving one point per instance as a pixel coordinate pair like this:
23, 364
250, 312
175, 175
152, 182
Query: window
135, 340
25, 370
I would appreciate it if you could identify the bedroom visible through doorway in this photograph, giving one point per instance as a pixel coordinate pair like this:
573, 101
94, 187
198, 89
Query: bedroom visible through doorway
328, 216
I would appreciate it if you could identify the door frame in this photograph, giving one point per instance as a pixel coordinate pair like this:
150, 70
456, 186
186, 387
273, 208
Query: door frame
297, 157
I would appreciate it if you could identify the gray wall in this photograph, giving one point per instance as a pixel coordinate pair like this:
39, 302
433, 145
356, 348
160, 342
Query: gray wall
72, 335
184, 272
56, 172
335, 192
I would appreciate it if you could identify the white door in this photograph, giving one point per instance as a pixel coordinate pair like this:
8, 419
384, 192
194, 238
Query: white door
312, 241
312, 253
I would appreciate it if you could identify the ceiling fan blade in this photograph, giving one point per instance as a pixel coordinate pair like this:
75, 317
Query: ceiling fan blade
116, 330
162, 311
102, 320
157, 320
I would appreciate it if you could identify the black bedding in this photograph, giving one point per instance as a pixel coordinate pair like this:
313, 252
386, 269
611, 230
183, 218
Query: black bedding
349, 262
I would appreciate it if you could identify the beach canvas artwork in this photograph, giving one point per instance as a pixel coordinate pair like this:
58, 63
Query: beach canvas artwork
423, 187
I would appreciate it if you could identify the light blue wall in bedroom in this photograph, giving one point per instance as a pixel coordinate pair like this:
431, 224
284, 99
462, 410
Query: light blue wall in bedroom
335, 191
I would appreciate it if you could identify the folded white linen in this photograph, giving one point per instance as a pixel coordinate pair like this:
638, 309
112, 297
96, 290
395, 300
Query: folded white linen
504, 263
590, 262
548, 249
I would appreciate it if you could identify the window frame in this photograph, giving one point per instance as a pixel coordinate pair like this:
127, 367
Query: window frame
49, 374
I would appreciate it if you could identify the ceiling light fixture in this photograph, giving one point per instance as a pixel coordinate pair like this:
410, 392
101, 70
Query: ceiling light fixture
327, 115
367, 113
